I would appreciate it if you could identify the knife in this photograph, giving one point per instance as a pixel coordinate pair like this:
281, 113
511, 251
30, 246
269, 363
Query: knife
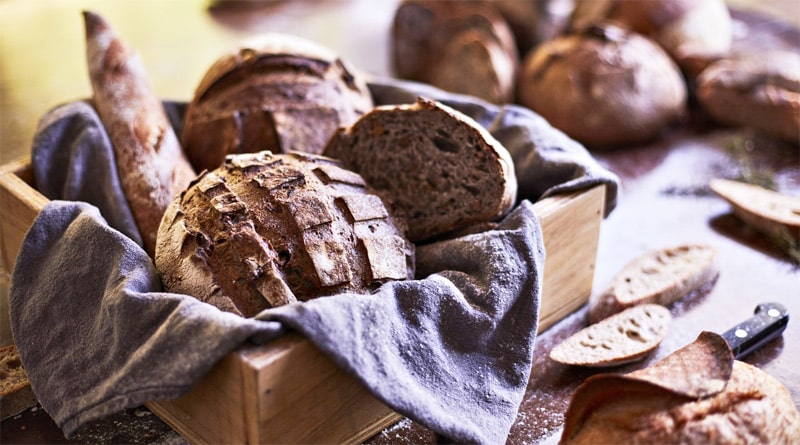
767, 324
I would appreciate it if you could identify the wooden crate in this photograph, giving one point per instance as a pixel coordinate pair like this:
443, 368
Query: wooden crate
288, 391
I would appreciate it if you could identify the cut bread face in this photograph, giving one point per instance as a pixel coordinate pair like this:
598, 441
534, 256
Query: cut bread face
622, 338
770, 212
439, 170
660, 276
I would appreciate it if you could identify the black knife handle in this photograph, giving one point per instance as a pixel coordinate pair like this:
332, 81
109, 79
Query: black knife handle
768, 323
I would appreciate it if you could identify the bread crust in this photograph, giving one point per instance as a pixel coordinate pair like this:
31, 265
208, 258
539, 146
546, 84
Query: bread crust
696, 395
150, 162
264, 230
16, 394
284, 94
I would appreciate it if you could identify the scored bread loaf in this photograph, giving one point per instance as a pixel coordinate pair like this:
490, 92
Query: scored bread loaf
697, 395
16, 394
660, 276
283, 94
438, 168
151, 165
622, 338
267, 229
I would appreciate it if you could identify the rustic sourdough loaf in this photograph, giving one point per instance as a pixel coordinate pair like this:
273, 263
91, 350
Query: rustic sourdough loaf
283, 94
440, 170
151, 165
429, 37
697, 395
660, 276
756, 90
267, 229
622, 338
16, 394
603, 86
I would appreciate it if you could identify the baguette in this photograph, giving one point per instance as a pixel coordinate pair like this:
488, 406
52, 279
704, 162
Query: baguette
660, 276
439, 169
151, 165
16, 394
772, 213
622, 338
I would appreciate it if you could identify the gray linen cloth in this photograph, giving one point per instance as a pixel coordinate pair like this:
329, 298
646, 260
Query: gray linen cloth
451, 349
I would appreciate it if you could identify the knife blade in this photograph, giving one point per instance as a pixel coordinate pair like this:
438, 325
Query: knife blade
767, 323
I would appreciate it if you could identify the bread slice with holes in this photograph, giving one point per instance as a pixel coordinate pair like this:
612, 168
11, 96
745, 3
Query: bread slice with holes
16, 394
660, 276
440, 170
622, 338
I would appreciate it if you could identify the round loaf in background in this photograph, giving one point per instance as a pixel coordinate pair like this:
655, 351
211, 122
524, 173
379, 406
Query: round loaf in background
284, 94
264, 230
604, 86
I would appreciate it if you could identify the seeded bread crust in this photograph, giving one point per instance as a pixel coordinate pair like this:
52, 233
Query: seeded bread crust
661, 276
286, 94
151, 164
440, 169
622, 338
268, 229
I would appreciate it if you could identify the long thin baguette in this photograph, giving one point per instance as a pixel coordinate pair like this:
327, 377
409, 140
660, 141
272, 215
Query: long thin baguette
151, 165
660, 276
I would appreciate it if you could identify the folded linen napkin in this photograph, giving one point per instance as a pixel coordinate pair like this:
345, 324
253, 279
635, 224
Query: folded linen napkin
451, 350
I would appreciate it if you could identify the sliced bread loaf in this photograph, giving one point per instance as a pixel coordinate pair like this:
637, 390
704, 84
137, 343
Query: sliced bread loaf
622, 338
660, 276
439, 168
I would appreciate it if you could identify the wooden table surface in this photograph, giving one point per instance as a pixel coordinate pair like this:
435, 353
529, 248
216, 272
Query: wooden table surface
664, 199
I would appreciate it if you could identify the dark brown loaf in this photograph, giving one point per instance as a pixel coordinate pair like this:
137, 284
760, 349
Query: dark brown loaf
286, 94
426, 35
439, 168
266, 229
604, 86
151, 166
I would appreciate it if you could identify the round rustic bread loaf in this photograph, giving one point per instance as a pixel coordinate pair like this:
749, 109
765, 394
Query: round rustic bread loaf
287, 94
267, 229
604, 86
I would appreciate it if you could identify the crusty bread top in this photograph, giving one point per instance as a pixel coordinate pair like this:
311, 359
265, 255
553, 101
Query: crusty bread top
622, 338
267, 229
697, 395
440, 170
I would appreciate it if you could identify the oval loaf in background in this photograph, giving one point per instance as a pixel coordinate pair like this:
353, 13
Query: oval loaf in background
284, 94
660, 276
438, 168
622, 338
267, 229
604, 86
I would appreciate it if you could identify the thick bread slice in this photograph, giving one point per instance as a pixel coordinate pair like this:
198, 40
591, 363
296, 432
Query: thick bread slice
267, 229
660, 276
16, 394
151, 165
439, 168
773, 213
622, 338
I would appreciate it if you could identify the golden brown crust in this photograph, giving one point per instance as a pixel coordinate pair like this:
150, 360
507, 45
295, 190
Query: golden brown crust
151, 165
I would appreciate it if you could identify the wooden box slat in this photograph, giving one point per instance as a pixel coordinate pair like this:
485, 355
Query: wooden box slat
289, 392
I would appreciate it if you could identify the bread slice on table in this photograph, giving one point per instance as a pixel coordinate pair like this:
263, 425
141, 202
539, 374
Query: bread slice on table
661, 276
151, 165
16, 394
440, 170
622, 338
770, 212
